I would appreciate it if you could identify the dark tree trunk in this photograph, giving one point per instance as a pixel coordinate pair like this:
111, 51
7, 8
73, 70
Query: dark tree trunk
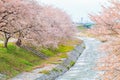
6, 42
7, 37
18, 43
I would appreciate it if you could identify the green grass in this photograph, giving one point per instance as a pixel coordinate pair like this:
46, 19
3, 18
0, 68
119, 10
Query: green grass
45, 72
72, 63
64, 48
15, 60
60, 49
56, 70
63, 55
81, 28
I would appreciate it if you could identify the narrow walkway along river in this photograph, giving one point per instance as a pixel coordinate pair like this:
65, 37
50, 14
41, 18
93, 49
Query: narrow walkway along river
84, 69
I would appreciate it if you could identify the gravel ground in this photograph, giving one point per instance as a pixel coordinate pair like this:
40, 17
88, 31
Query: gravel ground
33, 74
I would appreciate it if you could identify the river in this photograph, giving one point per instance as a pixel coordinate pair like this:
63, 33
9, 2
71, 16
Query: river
84, 69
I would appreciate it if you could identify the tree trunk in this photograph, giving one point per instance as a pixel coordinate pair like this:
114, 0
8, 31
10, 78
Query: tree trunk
7, 37
18, 43
6, 42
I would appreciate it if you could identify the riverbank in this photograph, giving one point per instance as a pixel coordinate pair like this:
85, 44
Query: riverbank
65, 65
48, 64
16, 60
85, 67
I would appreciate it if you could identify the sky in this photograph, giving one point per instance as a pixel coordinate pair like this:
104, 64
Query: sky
77, 9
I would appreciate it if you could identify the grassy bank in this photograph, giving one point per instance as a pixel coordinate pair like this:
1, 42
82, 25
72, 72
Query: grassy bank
81, 28
15, 60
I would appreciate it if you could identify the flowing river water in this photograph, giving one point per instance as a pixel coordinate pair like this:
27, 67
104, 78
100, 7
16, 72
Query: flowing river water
84, 69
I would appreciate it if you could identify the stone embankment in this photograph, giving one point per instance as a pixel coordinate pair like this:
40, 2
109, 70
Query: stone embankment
65, 65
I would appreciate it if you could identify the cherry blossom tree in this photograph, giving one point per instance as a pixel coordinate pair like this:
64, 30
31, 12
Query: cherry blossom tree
107, 25
15, 17
29, 22
54, 27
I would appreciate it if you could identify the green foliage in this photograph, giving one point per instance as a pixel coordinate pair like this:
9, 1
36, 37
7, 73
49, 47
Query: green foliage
15, 60
84, 46
72, 63
68, 67
57, 70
